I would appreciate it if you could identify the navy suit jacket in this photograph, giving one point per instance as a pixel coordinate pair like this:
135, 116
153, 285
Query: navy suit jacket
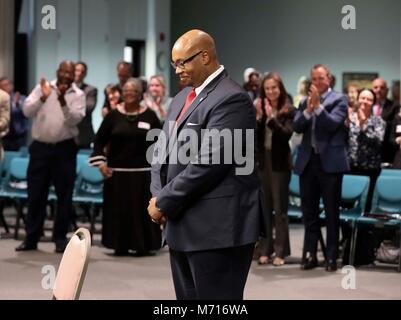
330, 132
208, 206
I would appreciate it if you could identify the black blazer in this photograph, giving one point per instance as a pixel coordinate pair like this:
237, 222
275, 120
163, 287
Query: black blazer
389, 110
388, 114
209, 206
86, 134
282, 129
395, 133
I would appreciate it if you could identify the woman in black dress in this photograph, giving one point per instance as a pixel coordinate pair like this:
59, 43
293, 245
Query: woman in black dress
120, 154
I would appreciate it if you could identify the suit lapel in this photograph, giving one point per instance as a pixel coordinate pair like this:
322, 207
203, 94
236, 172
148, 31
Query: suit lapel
327, 102
326, 98
176, 111
201, 97
83, 86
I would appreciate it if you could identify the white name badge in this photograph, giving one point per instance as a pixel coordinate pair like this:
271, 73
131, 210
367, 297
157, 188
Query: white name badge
143, 125
398, 129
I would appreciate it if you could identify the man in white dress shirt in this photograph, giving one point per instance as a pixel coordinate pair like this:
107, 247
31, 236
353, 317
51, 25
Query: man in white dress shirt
55, 108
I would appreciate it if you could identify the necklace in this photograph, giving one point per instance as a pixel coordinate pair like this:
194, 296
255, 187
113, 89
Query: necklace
132, 117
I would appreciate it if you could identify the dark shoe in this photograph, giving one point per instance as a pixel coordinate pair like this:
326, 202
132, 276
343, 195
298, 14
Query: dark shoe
60, 247
121, 253
331, 266
25, 246
143, 253
309, 263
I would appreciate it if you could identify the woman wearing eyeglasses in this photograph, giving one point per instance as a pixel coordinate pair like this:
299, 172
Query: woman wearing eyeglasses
126, 224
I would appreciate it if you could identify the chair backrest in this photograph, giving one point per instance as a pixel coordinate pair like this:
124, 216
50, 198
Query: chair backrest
87, 152
72, 270
91, 174
354, 189
391, 172
89, 182
24, 151
387, 195
8, 157
82, 160
18, 168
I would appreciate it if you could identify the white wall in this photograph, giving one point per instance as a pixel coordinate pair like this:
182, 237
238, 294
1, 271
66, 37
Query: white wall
290, 36
95, 31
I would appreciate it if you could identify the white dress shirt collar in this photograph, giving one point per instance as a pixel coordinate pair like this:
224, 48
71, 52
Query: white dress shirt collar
209, 79
324, 95
73, 86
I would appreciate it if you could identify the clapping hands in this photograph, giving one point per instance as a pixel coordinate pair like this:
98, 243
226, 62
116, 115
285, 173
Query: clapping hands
46, 89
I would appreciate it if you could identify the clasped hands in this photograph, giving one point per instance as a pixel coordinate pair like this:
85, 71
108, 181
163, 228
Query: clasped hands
105, 171
313, 102
155, 214
267, 108
398, 141
46, 91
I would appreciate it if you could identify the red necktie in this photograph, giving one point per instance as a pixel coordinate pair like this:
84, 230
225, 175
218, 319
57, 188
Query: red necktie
191, 96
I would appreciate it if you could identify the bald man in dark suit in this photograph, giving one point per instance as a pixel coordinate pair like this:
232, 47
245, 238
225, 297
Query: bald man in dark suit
212, 213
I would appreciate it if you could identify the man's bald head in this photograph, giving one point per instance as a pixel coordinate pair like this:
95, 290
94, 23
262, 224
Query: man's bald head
66, 65
65, 74
195, 57
195, 40
380, 88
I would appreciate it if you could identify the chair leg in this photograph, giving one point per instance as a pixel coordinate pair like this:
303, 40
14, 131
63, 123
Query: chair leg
351, 245
74, 218
2, 218
17, 222
87, 210
52, 210
399, 253
323, 246
92, 219
354, 238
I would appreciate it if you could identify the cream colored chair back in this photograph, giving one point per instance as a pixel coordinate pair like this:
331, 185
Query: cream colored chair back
73, 266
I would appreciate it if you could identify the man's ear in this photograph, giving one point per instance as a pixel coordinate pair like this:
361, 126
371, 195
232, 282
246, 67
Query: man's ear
205, 58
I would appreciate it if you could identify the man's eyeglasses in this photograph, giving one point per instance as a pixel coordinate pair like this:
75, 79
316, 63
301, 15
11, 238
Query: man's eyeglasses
181, 64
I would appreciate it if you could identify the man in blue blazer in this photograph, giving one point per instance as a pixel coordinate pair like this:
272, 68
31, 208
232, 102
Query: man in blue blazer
210, 211
321, 162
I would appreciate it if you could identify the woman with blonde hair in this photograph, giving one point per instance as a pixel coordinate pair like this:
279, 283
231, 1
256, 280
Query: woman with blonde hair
156, 98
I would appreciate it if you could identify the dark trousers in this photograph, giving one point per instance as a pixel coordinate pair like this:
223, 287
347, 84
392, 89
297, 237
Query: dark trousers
276, 189
14, 143
211, 275
50, 163
314, 184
